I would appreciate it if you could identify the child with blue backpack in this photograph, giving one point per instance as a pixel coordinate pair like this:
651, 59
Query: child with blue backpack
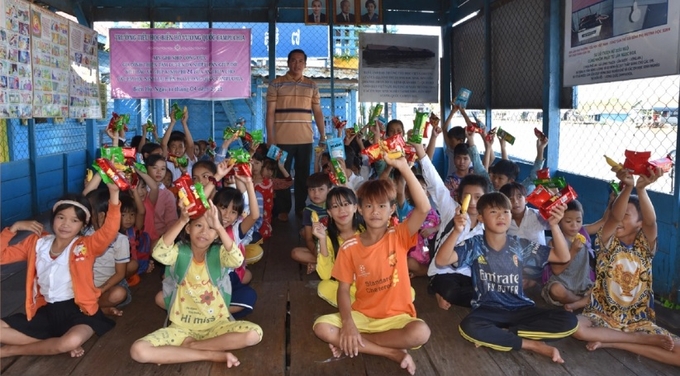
198, 298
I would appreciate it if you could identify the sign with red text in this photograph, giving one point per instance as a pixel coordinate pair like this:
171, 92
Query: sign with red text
209, 64
607, 41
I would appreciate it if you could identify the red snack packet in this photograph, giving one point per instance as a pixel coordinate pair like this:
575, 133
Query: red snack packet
410, 152
242, 169
566, 195
636, 161
108, 169
540, 135
539, 196
373, 152
474, 127
489, 136
186, 191
337, 123
665, 164
543, 173
394, 146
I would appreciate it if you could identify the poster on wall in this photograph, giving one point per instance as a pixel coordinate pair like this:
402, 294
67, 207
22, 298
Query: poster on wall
50, 64
607, 40
210, 64
84, 100
398, 68
316, 12
369, 11
16, 92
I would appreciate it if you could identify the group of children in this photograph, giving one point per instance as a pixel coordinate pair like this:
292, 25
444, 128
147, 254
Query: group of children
471, 233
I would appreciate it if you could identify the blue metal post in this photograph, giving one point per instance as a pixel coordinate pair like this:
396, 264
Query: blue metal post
33, 157
273, 5
675, 239
552, 75
487, 63
331, 33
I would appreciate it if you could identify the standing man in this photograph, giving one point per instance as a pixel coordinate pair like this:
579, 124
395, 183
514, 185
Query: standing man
291, 101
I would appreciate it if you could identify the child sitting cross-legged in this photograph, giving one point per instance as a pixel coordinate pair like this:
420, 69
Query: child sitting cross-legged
570, 283
343, 224
198, 299
62, 310
502, 317
382, 320
318, 185
620, 314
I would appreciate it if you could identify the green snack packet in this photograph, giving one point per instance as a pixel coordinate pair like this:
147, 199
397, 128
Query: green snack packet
239, 156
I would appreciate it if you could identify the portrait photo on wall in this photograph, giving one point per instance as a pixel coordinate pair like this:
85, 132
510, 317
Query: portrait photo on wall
345, 12
316, 12
370, 11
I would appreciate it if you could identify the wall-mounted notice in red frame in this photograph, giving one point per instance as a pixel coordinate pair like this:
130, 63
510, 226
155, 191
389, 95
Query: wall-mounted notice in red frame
16, 83
84, 93
50, 64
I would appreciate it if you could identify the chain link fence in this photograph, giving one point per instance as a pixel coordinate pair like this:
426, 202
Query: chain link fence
604, 119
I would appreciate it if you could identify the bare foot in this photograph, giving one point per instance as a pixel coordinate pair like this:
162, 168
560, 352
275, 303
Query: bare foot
311, 268
664, 341
112, 311
188, 341
543, 349
581, 303
77, 353
335, 350
594, 345
443, 304
408, 364
659, 340
232, 360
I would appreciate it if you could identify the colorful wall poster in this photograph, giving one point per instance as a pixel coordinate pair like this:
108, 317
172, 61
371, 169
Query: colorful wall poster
398, 68
51, 64
84, 100
607, 40
180, 63
16, 86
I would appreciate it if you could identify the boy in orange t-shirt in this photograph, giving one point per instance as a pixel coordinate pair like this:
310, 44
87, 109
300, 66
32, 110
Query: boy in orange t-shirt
383, 312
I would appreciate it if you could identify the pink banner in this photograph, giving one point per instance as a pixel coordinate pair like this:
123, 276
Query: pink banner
180, 63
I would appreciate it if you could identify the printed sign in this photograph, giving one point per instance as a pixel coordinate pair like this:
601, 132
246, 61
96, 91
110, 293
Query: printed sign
51, 63
16, 79
398, 68
84, 102
180, 63
607, 41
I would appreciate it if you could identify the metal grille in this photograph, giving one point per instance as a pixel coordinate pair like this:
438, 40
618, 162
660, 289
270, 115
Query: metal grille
517, 36
468, 60
59, 136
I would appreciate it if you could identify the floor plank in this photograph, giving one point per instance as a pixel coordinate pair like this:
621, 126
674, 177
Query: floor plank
641, 365
449, 352
269, 356
308, 354
140, 318
278, 265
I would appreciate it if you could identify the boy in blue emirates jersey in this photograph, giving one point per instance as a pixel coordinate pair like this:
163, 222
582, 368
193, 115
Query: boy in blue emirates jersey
502, 317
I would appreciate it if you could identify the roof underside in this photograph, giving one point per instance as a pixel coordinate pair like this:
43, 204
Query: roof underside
395, 12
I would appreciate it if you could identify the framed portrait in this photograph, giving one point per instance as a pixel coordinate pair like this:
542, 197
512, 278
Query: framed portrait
316, 12
344, 12
369, 12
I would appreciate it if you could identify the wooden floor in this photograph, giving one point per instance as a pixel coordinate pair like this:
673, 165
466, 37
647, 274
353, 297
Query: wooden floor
286, 308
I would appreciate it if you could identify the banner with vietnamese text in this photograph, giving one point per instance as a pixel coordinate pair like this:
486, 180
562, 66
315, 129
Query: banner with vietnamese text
180, 63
